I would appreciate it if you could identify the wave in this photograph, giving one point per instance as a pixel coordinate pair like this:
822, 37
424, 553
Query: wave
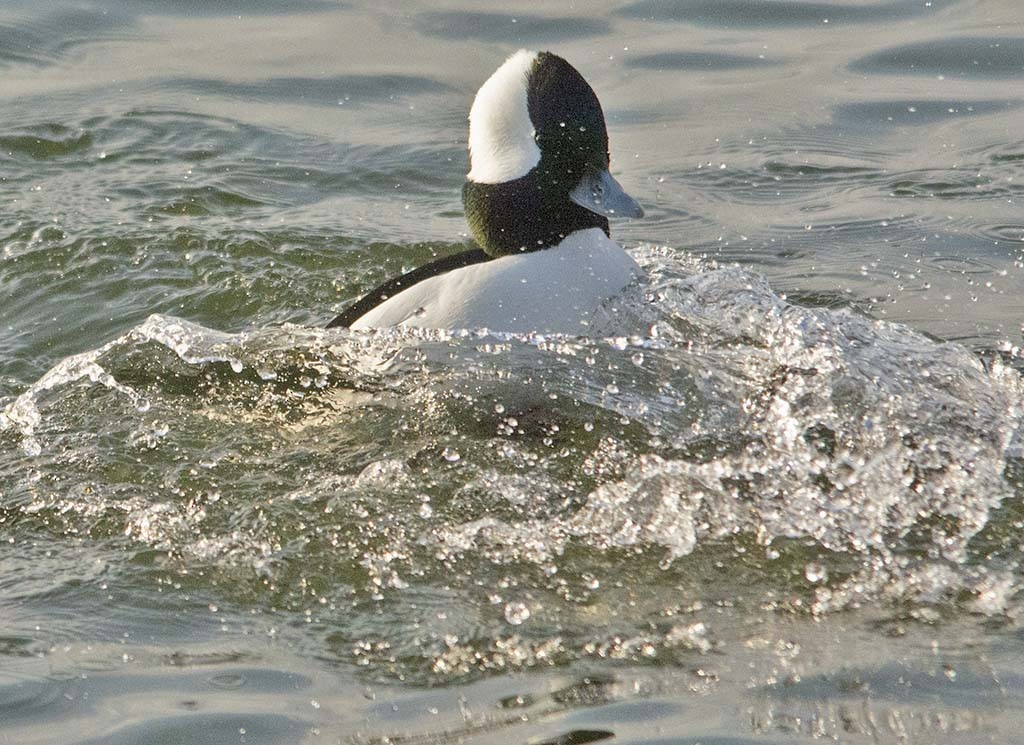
734, 454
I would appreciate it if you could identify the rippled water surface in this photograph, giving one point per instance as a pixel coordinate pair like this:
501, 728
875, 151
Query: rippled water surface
788, 508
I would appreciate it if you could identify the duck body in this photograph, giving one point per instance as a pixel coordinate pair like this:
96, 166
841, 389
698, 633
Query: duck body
537, 198
560, 289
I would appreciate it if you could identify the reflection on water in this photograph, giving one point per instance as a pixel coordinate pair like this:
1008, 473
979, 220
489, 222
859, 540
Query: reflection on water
769, 515
784, 13
499, 28
996, 57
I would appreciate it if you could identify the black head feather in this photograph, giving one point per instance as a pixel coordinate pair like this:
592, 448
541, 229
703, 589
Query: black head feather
534, 211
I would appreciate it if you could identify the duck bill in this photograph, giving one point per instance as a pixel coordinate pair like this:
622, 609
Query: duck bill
599, 192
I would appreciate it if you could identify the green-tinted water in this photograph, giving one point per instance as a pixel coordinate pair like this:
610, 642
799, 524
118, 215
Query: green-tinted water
773, 517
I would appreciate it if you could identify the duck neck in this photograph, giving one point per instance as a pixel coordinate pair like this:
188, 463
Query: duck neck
523, 215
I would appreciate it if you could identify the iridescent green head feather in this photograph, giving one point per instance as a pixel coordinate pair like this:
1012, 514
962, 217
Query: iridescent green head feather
539, 158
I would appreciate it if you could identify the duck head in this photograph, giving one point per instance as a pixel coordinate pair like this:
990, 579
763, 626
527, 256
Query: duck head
538, 158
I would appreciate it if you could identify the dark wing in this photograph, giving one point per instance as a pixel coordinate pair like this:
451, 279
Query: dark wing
393, 286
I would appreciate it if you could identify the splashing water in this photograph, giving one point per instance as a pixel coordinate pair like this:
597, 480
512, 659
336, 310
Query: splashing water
743, 447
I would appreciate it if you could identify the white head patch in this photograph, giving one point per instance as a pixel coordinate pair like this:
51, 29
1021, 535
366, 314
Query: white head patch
501, 144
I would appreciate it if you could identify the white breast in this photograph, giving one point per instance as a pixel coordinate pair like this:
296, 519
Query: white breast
554, 290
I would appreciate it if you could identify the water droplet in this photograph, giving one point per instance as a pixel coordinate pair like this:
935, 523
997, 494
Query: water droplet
816, 572
516, 613
451, 455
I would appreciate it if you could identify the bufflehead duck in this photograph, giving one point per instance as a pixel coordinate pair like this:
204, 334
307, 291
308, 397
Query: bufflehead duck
537, 198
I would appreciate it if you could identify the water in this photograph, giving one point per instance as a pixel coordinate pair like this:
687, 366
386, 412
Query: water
787, 509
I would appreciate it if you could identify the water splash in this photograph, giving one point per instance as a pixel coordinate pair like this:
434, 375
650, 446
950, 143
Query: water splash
782, 456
